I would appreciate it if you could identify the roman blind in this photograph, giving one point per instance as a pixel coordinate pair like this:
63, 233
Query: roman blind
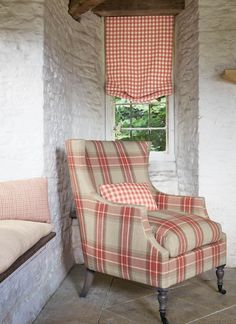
139, 57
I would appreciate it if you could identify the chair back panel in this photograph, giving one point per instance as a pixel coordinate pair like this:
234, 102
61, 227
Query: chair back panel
101, 162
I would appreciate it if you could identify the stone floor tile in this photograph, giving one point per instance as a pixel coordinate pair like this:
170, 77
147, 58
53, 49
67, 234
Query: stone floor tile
227, 316
187, 302
111, 318
66, 307
145, 310
122, 291
230, 274
113, 301
141, 310
206, 294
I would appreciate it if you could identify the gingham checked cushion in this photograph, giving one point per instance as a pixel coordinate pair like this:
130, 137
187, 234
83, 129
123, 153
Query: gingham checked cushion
181, 233
129, 193
25, 200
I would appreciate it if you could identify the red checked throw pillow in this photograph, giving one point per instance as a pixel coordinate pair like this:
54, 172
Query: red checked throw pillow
129, 193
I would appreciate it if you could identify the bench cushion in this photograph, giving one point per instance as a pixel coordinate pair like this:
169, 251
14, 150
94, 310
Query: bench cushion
180, 232
25, 200
16, 237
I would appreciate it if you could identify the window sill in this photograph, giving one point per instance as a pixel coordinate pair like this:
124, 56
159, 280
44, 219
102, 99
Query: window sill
161, 156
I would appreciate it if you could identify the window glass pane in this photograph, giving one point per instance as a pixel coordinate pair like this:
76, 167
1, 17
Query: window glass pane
140, 116
122, 116
142, 135
121, 101
123, 135
158, 113
130, 117
158, 139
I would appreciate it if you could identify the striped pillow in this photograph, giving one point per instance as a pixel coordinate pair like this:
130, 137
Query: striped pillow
25, 200
129, 193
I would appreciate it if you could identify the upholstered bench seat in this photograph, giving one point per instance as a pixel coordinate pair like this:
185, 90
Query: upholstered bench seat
18, 236
181, 232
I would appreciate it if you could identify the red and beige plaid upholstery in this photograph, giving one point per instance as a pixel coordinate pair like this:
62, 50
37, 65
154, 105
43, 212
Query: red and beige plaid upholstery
25, 200
180, 233
118, 239
97, 163
191, 205
139, 57
129, 193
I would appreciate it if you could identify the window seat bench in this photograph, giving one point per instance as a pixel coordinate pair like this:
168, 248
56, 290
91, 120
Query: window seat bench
24, 222
17, 245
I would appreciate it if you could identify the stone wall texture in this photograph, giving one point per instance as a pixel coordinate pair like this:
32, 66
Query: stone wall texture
21, 89
206, 115
186, 97
51, 90
163, 175
25, 292
217, 115
73, 104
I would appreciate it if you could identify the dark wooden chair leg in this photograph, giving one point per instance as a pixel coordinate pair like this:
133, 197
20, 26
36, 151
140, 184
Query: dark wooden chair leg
87, 282
163, 298
220, 276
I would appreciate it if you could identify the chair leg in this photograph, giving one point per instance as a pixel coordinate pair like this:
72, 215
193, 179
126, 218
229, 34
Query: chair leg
87, 282
163, 298
220, 276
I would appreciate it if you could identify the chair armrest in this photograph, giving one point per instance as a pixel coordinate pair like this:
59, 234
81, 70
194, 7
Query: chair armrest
119, 227
187, 204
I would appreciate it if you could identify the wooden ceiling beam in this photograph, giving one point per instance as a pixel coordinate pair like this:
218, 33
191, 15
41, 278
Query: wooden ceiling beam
78, 7
139, 7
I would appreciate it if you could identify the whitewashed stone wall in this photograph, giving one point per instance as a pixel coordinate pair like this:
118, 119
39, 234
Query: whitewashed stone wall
186, 98
53, 90
206, 115
163, 175
21, 142
217, 115
21, 89
25, 292
74, 103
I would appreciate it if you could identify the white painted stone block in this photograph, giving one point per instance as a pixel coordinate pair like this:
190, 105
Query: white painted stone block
186, 98
21, 90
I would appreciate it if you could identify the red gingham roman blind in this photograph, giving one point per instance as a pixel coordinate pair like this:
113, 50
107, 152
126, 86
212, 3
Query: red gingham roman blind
139, 57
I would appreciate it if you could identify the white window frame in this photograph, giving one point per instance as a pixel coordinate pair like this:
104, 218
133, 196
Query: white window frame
169, 154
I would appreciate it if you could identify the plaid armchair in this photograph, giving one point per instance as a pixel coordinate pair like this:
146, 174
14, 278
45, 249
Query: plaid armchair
159, 248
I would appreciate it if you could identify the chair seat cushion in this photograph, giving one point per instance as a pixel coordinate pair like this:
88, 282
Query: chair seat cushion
180, 232
16, 237
129, 193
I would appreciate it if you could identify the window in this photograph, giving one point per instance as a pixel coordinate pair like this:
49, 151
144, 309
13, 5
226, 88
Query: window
148, 122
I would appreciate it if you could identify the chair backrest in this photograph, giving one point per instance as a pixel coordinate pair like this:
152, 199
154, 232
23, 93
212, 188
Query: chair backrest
93, 163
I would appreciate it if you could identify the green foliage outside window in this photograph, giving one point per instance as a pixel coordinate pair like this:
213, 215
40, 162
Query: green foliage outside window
142, 122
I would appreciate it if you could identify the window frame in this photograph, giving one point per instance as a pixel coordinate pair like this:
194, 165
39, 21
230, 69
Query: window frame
167, 155
148, 128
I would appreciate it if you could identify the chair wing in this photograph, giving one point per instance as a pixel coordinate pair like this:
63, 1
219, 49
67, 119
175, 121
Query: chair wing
103, 162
